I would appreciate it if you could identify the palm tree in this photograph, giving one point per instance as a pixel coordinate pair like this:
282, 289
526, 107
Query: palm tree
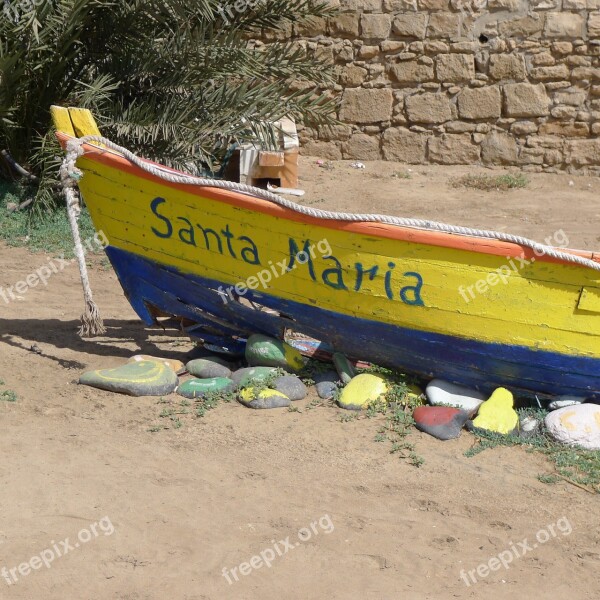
175, 80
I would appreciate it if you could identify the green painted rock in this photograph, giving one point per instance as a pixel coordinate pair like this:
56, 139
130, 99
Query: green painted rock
362, 390
196, 388
269, 352
143, 378
248, 375
264, 399
209, 367
344, 367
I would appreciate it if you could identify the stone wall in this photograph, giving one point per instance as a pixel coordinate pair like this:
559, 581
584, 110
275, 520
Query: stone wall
496, 82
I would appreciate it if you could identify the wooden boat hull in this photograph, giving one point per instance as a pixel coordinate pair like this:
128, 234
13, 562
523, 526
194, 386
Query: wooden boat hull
401, 297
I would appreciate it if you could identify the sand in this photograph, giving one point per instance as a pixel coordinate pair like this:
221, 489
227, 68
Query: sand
172, 508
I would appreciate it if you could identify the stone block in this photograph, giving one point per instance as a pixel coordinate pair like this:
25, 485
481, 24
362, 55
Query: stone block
523, 27
410, 25
451, 149
507, 67
556, 72
352, 76
327, 150
565, 129
356, 5
428, 108
366, 105
525, 100
594, 24
523, 127
583, 152
480, 103
564, 25
312, 27
455, 67
411, 72
345, 25
433, 4
443, 25
404, 145
571, 98
499, 149
375, 27
362, 146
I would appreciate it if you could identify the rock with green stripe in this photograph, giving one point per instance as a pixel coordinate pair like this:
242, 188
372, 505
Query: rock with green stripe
196, 388
143, 378
265, 351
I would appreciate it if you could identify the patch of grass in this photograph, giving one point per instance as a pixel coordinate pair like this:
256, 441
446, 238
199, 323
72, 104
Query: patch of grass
348, 416
574, 465
8, 396
401, 175
50, 233
489, 183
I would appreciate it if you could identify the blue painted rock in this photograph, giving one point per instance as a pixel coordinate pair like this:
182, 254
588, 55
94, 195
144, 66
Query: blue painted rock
327, 384
196, 388
247, 375
209, 367
562, 401
575, 425
444, 393
362, 391
267, 398
344, 367
176, 365
497, 414
442, 422
291, 386
143, 378
265, 351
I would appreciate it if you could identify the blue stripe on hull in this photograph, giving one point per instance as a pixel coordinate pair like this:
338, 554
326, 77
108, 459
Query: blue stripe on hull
481, 364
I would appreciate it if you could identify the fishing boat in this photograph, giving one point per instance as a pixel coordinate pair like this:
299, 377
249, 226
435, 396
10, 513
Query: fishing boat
479, 308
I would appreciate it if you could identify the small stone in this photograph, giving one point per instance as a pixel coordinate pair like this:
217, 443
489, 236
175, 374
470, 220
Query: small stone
264, 399
327, 384
196, 388
562, 401
270, 352
529, 427
176, 365
442, 422
362, 390
576, 425
209, 367
144, 378
443, 393
291, 386
344, 367
497, 413
249, 375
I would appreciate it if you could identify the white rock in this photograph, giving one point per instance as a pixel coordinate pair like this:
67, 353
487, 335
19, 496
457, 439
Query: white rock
562, 401
576, 425
443, 393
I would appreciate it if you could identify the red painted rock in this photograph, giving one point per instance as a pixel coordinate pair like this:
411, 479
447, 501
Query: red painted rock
442, 422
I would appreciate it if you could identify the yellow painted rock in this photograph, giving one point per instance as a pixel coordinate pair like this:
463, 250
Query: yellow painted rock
175, 365
266, 398
497, 414
362, 390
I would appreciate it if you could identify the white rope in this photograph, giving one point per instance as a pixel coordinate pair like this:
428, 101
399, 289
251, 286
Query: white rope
91, 322
74, 150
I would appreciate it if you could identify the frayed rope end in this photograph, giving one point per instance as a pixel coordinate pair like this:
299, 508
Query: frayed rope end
91, 321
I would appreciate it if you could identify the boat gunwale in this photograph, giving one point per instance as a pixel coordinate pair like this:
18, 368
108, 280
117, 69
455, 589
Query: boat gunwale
466, 243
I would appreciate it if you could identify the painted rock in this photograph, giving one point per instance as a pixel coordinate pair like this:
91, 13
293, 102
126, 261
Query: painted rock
344, 367
497, 414
576, 425
415, 395
196, 388
269, 352
444, 393
362, 390
264, 399
326, 384
209, 367
291, 386
247, 375
442, 422
562, 401
143, 378
176, 365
